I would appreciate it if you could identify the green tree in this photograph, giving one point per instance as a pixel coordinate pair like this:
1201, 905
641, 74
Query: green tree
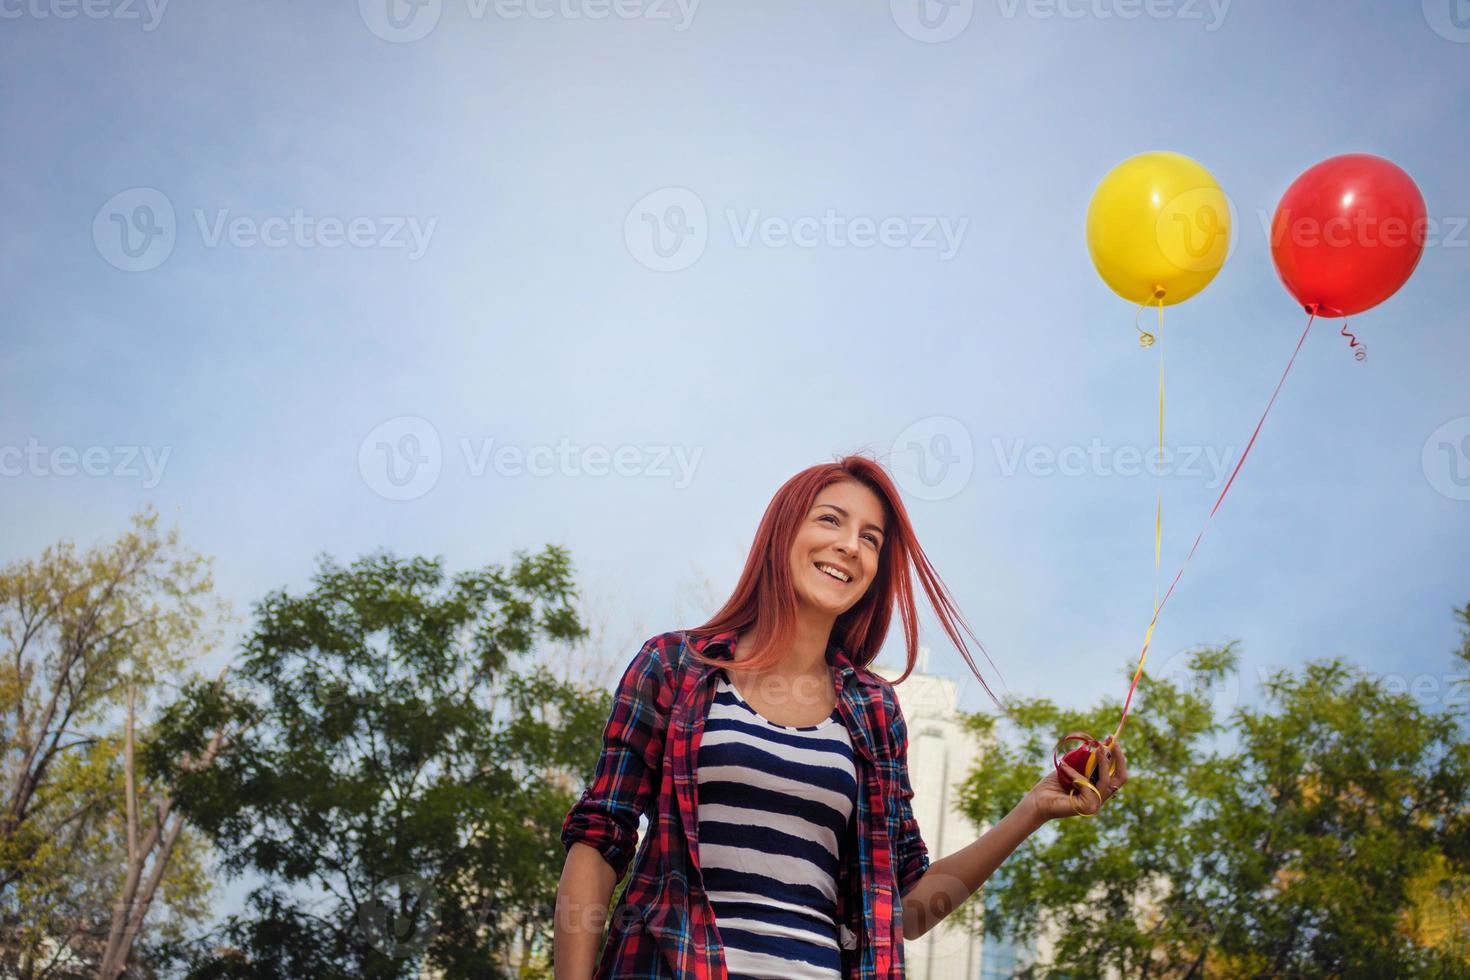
84, 845
406, 772
1331, 838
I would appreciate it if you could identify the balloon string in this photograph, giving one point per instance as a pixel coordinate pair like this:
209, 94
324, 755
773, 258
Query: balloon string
1146, 339
1360, 351
1159, 499
1148, 636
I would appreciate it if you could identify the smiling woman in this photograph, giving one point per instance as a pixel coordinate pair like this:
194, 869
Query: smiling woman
773, 767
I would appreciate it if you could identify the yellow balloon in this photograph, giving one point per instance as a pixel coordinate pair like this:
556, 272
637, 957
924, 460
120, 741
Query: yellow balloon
1158, 228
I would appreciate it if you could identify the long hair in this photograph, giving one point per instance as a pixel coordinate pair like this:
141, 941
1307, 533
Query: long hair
764, 599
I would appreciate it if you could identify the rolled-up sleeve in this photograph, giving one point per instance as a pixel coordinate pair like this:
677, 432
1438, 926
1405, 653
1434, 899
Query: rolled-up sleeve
911, 853
628, 770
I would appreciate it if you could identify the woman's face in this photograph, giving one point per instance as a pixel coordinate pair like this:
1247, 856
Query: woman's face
844, 532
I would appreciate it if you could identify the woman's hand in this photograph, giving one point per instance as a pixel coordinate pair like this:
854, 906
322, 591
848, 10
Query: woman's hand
1048, 801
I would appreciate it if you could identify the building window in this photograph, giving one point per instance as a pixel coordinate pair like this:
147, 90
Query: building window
999, 958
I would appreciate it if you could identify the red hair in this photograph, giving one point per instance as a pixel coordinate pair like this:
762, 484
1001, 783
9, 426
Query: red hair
765, 597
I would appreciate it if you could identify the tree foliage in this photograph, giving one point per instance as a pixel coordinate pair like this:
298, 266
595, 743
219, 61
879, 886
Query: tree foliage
406, 773
1322, 832
77, 629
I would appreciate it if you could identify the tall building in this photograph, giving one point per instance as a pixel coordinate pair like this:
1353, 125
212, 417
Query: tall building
941, 754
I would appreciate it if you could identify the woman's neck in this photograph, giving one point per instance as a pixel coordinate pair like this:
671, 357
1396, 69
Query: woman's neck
807, 654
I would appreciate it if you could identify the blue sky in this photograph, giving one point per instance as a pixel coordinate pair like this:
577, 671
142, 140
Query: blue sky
528, 313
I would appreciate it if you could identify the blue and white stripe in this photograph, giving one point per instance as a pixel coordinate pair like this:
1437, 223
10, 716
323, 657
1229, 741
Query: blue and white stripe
774, 801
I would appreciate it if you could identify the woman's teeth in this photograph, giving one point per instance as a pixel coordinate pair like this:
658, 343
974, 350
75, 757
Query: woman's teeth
831, 572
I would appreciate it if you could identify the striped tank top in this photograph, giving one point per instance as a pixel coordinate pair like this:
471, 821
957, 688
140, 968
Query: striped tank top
774, 801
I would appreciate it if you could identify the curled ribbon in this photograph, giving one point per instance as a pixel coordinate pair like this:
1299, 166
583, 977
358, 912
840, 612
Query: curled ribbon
1086, 759
1360, 351
1146, 339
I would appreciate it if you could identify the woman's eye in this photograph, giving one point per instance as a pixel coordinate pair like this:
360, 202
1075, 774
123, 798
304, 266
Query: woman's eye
833, 516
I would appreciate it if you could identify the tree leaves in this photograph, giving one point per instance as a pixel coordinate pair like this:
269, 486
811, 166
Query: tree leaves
1319, 832
77, 631
408, 761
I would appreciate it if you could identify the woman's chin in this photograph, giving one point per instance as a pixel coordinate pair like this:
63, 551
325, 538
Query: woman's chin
826, 607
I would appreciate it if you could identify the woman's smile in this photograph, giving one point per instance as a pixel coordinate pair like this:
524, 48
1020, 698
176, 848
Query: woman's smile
835, 572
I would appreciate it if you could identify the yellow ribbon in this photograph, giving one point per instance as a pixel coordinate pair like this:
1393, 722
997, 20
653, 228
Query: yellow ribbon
1158, 500
1091, 766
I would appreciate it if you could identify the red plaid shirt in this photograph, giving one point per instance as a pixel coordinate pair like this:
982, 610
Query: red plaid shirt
663, 925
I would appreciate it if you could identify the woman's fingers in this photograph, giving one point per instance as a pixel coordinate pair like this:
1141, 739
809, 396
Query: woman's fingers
1109, 777
1115, 763
1104, 781
1088, 802
1086, 798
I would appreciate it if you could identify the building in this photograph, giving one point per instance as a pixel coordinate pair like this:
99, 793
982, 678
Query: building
941, 755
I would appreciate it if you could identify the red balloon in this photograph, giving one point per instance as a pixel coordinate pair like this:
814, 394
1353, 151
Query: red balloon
1348, 233
1081, 759
1077, 759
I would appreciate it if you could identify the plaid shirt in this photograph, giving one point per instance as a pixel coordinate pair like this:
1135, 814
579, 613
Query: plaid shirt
663, 925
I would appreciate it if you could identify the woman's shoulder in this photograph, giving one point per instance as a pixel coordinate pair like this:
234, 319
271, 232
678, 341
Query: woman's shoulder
664, 652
